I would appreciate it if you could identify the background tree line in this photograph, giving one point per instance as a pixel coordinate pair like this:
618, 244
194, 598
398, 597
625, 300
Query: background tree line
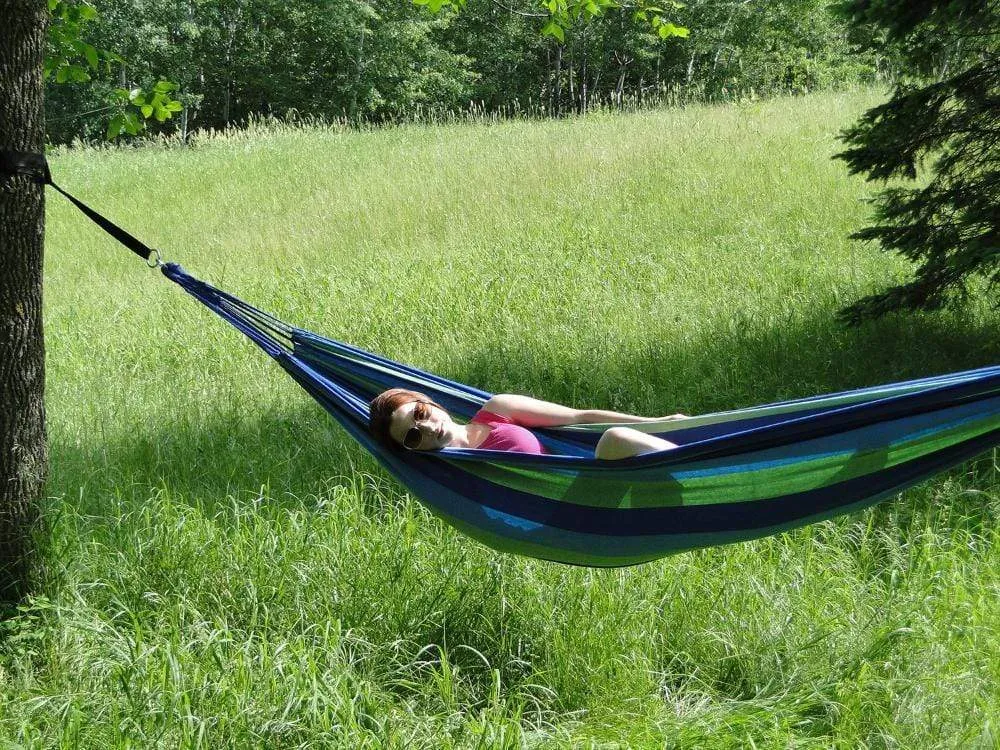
390, 60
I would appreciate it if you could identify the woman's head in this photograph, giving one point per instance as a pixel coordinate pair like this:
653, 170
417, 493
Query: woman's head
408, 418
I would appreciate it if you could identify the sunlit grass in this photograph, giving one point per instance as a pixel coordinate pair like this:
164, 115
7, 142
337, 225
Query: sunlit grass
225, 568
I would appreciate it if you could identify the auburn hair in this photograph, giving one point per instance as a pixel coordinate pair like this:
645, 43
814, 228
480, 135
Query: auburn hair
384, 405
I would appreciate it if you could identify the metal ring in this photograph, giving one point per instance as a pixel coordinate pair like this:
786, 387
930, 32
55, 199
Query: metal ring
154, 260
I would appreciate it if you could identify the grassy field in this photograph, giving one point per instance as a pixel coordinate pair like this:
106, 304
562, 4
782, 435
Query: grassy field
223, 567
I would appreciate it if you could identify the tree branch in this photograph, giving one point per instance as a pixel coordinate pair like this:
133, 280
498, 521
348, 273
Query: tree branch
524, 13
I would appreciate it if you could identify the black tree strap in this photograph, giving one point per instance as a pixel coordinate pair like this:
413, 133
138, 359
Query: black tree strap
13, 163
34, 166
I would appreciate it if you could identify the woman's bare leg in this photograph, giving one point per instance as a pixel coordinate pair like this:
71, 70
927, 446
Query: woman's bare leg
624, 442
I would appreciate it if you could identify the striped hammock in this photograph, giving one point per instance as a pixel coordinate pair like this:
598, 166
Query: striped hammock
736, 475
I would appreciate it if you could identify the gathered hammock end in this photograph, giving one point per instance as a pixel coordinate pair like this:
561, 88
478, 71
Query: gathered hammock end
736, 475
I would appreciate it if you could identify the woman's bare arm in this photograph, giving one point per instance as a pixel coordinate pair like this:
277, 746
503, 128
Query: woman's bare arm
531, 412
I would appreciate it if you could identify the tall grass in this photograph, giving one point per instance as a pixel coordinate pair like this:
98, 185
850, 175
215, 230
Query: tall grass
223, 567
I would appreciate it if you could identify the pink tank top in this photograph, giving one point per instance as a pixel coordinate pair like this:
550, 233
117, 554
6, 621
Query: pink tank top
505, 435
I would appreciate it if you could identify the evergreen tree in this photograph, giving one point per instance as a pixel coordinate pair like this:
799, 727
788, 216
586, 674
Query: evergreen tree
945, 112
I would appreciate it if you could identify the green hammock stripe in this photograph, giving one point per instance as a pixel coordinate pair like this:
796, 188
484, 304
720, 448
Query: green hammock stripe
733, 484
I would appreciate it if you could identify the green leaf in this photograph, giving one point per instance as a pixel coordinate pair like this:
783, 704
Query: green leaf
132, 124
146, 109
554, 29
174, 106
164, 86
115, 127
62, 75
91, 54
666, 30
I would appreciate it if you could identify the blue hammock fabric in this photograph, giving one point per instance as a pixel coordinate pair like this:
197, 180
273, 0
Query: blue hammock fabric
736, 475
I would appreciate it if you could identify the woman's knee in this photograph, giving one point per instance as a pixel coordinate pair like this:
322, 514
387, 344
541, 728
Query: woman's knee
607, 444
623, 442
618, 433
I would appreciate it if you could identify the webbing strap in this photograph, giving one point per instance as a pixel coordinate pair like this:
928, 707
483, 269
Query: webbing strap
35, 167
13, 163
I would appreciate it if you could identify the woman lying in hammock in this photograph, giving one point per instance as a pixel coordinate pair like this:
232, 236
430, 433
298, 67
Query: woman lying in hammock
411, 419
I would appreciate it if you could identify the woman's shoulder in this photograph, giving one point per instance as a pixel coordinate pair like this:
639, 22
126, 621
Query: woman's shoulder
505, 405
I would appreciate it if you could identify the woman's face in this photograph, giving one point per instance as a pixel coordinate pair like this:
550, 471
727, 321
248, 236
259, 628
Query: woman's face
421, 426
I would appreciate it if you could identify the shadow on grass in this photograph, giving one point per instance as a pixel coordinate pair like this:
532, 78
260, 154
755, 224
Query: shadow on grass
206, 463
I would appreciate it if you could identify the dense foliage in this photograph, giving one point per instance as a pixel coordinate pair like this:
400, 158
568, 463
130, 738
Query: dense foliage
946, 112
390, 60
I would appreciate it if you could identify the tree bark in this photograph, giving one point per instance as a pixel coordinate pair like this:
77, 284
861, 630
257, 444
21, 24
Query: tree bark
558, 82
571, 70
231, 26
23, 453
352, 114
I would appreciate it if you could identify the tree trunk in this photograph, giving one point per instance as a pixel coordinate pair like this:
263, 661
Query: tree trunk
232, 26
352, 114
571, 69
547, 91
620, 86
558, 82
23, 455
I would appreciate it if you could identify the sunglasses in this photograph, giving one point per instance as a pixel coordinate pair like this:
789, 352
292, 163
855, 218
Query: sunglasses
421, 412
